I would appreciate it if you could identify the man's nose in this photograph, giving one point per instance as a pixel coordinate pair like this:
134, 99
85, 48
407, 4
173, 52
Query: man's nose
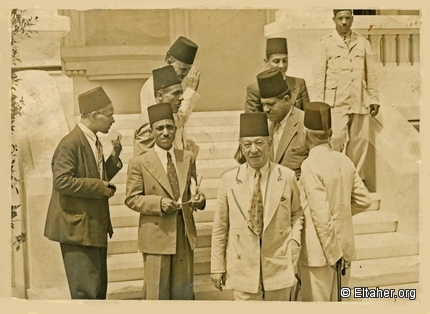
266, 108
165, 132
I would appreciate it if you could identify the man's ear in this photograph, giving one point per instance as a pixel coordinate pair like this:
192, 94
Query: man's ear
150, 129
287, 98
93, 115
158, 96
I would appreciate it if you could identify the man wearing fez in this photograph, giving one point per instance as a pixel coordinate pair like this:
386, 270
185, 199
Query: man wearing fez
181, 57
286, 121
167, 89
159, 188
256, 230
345, 79
277, 58
332, 193
78, 214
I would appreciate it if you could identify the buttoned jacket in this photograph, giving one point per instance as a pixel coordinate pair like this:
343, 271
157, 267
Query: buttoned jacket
344, 76
236, 250
147, 184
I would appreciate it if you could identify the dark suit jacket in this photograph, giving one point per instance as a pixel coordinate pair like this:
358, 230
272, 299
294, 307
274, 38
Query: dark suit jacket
292, 148
147, 183
78, 212
299, 95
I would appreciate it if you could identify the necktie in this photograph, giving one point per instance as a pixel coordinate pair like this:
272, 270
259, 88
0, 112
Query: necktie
173, 178
99, 157
255, 214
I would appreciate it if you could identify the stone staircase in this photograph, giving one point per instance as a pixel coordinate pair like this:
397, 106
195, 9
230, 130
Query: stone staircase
385, 258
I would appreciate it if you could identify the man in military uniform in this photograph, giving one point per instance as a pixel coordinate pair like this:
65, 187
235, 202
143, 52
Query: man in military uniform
345, 78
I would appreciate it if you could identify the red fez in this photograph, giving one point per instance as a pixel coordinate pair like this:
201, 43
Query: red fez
93, 100
253, 124
276, 45
317, 116
271, 83
336, 11
183, 50
165, 77
160, 112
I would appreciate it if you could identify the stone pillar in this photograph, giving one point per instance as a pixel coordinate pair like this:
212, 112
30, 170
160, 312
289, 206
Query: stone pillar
403, 48
389, 49
38, 132
415, 48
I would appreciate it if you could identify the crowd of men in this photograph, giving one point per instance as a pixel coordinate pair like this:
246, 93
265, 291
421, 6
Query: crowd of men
283, 224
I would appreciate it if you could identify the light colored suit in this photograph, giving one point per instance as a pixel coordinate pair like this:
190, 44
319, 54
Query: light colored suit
332, 193
292, 148
299, 94
237, 251
345, 79
163, 235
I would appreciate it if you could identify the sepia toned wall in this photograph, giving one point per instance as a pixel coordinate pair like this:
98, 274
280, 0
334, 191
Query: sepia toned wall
118, 49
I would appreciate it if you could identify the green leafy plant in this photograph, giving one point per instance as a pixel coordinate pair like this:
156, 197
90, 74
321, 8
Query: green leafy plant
20, 30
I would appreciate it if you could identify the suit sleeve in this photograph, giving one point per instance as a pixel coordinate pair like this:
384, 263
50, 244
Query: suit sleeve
252, 103
320, 212
112, 168
135, 197
191, 97
371, 80
296, 212
64, 167
303, 97
143, 139
360, 197
220, 231
319, 71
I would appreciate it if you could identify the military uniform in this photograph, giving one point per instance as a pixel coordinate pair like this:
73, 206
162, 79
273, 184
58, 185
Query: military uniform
345, 79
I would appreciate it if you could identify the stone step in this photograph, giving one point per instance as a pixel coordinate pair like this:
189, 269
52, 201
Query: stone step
211, 134
205, 290
126, 139
385, 271
124, 240
214, 118
374, 222
125, 290
392, 244
129, 266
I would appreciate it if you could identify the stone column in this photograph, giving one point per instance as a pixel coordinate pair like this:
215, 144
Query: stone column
389, 49
39, 130
403, 48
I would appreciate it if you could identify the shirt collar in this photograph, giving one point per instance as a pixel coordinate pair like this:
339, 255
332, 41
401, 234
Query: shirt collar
87, 131
162, 151
263, 170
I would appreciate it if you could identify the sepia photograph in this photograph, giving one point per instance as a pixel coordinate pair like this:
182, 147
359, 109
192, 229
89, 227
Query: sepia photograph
216, 153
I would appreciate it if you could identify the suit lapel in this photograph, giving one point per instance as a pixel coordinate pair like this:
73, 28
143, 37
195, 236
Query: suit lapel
290, 131
90, 160
274, 190
182, 166
291, 83
156, 169
241, 192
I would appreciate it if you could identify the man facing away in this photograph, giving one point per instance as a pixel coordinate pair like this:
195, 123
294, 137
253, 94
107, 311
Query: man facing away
332, 192
277, 58
159, 188
78, 214
256, 230
345, 79
181, 57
